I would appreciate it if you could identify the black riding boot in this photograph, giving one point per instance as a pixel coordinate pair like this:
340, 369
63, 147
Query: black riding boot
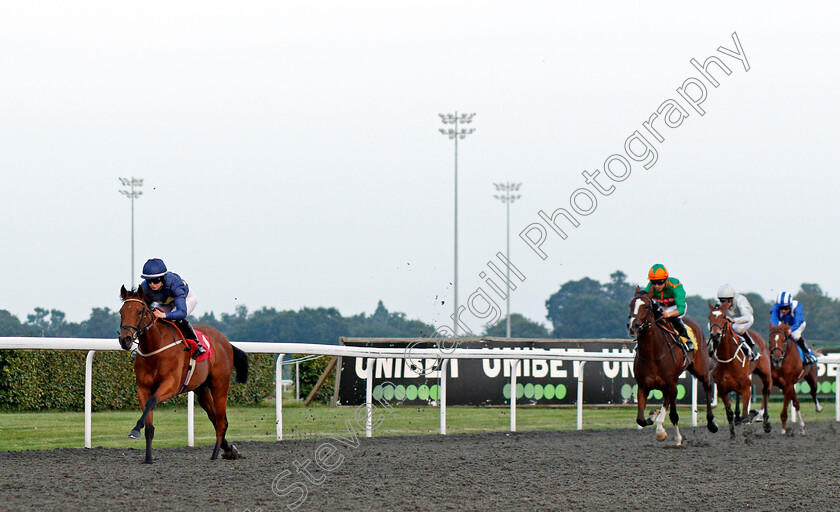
809, 357
753, 348
679, 326
189, 333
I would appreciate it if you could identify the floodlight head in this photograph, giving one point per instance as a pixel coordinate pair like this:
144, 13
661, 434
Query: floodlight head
124, 181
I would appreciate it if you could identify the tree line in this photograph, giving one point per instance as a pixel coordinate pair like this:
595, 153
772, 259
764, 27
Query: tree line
585, 308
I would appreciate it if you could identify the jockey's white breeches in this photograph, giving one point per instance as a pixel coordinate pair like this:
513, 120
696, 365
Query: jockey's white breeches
742, 328
191, 301
798, 332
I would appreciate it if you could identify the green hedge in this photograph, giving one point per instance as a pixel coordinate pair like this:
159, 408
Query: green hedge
32, 380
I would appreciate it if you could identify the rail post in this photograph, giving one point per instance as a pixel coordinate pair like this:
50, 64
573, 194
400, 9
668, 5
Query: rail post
88, 396
278, 393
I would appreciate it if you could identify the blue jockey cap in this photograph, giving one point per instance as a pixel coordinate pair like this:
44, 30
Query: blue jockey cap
153, 268
783, 299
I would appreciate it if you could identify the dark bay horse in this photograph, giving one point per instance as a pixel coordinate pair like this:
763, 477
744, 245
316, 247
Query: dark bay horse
660, 361
160, 367
734, 370
788, 370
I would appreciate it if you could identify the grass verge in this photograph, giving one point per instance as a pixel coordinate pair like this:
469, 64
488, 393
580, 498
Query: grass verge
48, 430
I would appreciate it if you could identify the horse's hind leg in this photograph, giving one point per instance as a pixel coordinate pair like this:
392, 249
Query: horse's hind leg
811, 379
674, 416
766, 382
730, 417
710, 415
737, 411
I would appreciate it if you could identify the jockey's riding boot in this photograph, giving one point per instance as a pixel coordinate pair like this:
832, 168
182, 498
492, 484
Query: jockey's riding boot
189, 334
755, 354
679, 326
809, 356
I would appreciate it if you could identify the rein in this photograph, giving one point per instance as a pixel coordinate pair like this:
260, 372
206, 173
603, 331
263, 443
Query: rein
739, 347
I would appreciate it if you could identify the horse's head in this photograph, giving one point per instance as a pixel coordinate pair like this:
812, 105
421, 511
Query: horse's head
717, 325
643, 313
135, 317
779, 335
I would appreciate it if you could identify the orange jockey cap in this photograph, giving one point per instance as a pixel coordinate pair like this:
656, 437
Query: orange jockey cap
657, 272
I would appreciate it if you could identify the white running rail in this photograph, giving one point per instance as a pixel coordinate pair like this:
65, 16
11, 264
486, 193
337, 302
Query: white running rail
92, 345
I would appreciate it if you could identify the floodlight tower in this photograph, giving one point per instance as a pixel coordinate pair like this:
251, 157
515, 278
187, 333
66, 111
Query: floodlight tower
507, 198
131, 193
455, 134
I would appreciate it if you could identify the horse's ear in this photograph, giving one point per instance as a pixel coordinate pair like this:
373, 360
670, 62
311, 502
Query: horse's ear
123, 292
771, 326
140, 293
638, 290
711, 306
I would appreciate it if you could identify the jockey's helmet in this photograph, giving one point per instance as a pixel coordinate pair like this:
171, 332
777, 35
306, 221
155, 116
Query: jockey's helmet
153, 268
657, 272
783, 300
726, 292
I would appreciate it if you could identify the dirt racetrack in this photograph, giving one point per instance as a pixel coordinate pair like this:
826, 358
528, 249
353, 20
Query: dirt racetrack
566, 470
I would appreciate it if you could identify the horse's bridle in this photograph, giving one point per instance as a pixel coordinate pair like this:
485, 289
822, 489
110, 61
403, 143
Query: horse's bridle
635, 316
139, 329
777, 349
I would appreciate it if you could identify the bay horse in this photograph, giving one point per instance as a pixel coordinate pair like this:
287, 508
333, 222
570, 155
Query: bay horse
660, 361
734, 370
788, 369
160, 368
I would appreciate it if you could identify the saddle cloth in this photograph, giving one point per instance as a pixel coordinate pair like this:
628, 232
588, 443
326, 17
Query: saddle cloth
691, 335
205, 342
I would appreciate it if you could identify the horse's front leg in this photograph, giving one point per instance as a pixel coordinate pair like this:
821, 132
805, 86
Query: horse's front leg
164, 392
143, 394
730, 417
797, 412
788, 391
641, 398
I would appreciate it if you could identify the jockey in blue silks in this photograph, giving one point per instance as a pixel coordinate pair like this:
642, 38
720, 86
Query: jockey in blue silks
790, 312
170, 296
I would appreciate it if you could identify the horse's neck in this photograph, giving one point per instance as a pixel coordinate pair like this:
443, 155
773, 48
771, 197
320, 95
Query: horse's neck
158, 336
728, 344
652, 341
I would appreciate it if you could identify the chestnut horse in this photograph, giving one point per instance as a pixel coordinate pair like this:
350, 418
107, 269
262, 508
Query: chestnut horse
160, 368
788, 370
734, 370
660, 361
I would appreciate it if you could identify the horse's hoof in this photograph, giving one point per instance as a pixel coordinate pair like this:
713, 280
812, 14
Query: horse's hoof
147, 462
134, 434
661, 436
643, 423
231, 454
712, 426
819, 408
767, 428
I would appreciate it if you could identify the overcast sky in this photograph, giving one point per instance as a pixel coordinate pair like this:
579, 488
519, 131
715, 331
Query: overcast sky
291, 155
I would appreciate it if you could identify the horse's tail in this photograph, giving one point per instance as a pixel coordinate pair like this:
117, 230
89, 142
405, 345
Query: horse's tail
240, 362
